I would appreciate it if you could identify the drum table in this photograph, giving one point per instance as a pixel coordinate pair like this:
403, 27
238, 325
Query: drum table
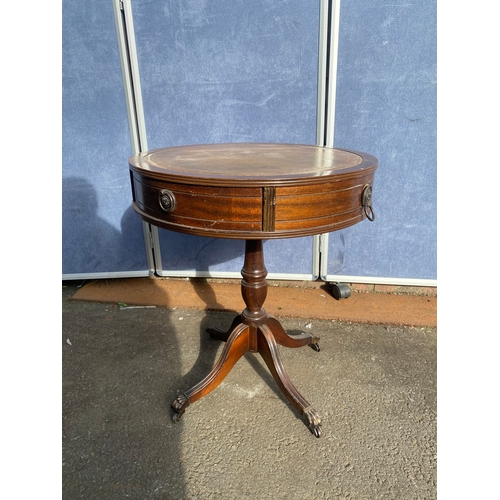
253, 192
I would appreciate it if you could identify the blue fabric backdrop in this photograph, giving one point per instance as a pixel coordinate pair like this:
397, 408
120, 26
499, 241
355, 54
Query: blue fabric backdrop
386, 105
100, 232
233, 71
228, 71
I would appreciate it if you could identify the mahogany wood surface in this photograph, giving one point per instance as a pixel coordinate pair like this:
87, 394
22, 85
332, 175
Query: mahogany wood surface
253, 192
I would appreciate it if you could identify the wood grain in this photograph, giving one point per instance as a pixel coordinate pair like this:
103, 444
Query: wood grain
252, 191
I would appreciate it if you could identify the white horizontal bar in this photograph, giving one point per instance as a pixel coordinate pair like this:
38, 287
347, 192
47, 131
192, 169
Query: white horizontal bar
98, 276
233, 275
370, 280
335, 278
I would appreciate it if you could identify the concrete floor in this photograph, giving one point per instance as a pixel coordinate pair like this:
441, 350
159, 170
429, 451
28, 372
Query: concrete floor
373, 385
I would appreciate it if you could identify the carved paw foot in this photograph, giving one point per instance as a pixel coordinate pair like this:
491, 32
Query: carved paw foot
179, 405
315, 344
313, 421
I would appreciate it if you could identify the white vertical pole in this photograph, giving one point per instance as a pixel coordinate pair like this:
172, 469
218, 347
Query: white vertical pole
123, 49
333, 44
131, 81
322, 72
325, 116
134, 74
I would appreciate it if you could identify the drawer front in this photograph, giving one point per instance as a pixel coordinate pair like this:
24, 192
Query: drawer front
206, 208
251, 212
321, 208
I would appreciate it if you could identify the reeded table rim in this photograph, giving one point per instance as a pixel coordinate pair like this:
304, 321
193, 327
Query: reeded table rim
262, 164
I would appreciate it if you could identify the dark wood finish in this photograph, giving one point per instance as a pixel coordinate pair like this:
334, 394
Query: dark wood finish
254, 331
252, 192
268, 209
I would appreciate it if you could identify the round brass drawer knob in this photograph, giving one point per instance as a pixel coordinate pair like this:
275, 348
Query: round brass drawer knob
167, 200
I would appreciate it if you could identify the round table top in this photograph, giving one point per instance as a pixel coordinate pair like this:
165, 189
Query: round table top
251, 164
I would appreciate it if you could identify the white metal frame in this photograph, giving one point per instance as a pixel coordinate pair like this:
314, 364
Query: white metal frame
329, 17
233, 274
131, 78
133, 99
327, 71
325, 128
133, 96
375, 280
327, 91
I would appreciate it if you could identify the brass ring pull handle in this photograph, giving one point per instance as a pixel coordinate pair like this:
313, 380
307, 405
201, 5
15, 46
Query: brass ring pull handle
167, 200
366, 200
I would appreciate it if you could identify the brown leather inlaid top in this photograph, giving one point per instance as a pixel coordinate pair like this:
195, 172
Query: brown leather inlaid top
249, 163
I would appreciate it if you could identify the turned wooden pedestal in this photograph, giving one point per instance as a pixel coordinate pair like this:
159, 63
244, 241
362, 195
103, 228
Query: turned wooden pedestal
254, 331
253, 192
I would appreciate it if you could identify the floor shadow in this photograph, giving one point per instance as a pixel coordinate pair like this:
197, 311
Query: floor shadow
209, 348
201, 254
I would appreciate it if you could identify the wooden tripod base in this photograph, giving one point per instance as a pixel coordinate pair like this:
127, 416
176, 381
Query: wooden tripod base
254, 331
